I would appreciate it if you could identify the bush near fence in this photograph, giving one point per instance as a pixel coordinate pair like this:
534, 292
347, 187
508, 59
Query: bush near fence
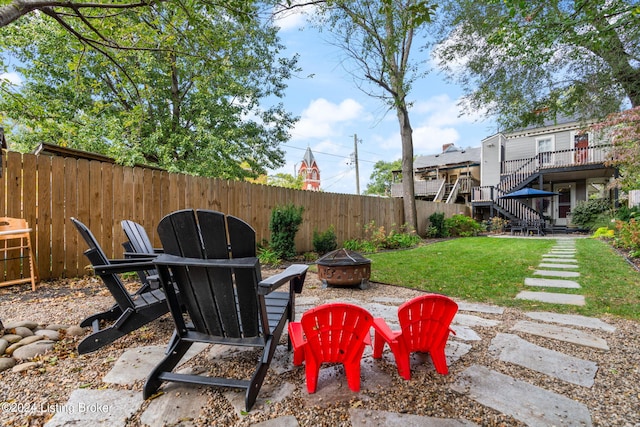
48, 190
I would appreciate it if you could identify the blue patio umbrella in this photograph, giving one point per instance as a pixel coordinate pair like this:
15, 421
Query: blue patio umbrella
528, 193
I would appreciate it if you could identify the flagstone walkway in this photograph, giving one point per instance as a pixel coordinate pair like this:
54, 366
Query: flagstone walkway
531, 404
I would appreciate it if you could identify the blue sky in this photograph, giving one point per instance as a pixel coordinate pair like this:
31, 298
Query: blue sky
332, 109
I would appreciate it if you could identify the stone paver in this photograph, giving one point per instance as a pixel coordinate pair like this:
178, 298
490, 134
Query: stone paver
178, 404
136, 364
571, 319
552, 297
480, 308
559, 260
561, 266
556, 255
556, 273
513, 349
561, 333
373, 418
470, 320
105, 408
551, 283
525, 402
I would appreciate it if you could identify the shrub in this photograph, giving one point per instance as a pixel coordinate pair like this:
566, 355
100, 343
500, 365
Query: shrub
268, 256
324, 242
625, 213
284, 224
591, 213
436, 227
462, 226
628, 236
604, 233
377, 239
497, 224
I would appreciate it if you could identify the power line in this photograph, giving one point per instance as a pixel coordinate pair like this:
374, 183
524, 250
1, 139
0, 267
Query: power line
329, 154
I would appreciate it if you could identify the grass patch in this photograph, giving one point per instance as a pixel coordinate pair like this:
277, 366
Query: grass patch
492, 270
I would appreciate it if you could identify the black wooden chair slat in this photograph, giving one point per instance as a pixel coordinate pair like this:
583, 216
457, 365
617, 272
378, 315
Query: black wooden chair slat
210, 258
139, 245
131, 311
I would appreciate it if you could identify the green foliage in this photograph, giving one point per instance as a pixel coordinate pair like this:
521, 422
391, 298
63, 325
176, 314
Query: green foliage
625, 213
497, 224
381, 178
604, 233
268, 256
325, 241
623, 129
193, 91
286, 180
284, 224
462, 226
591, 213
376, 239
436, 226
512, 68
628, 236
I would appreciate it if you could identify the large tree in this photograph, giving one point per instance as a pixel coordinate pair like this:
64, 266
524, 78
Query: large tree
530, 61
179, 85
377, 37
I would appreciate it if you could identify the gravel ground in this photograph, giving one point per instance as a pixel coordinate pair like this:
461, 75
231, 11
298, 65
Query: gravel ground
614, 400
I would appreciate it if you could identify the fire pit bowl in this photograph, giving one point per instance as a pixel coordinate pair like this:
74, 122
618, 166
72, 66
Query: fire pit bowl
344, 268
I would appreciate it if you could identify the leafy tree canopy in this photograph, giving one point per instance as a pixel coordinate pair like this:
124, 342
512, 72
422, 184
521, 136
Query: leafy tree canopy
178, 85
530, 61
624, 131
286, 180
382, 177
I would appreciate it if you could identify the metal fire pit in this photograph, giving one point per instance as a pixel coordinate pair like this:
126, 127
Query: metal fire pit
344, 268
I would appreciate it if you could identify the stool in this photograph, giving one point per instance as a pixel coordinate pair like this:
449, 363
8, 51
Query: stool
15, 238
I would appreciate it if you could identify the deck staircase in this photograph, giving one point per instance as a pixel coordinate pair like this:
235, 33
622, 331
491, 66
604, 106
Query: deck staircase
523, 175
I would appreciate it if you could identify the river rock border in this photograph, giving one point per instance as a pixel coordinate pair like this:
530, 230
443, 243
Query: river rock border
22, 341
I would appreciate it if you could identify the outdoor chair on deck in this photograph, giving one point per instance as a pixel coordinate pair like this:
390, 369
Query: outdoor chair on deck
131, 311
331, 333
211, 259
424, 327
139, 246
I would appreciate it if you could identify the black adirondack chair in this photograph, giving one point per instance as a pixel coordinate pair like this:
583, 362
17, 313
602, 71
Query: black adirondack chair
131, 311
211, 259
138, 246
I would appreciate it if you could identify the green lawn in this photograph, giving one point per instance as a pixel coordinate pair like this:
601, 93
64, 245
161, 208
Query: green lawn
493, 270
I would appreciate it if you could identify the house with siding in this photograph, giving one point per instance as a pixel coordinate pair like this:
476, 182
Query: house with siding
447, 177
556, 157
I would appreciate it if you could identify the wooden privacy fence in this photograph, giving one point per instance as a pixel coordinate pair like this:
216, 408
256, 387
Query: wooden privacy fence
47, 191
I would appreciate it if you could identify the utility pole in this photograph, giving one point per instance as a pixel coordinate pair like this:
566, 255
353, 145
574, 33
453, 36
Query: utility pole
355, 156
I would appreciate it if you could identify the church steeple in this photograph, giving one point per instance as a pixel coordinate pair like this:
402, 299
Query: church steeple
310, 172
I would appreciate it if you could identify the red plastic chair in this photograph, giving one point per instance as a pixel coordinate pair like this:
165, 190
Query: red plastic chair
424, 323
331, 333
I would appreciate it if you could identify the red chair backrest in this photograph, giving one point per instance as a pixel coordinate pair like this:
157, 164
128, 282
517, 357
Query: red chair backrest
336, 331
425, 321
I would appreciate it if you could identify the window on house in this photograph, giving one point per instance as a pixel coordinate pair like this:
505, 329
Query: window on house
545, 147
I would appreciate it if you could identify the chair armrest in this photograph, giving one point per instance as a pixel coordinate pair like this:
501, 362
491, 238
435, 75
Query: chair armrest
295, 271
118, 266
383, 330
165, 259
137, 255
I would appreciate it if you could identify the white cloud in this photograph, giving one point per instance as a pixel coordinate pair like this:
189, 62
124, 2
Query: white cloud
293, 18
322, 118
429, 139
13, 78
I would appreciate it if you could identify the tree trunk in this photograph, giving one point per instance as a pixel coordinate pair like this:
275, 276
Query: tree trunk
408, 191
